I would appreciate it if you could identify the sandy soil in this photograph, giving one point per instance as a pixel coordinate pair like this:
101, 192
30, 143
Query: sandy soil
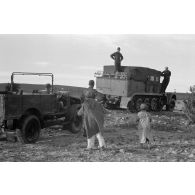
173, 142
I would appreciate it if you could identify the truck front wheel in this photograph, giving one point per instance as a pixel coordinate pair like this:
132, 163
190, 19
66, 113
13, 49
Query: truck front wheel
30, 130
76, 125
74, 121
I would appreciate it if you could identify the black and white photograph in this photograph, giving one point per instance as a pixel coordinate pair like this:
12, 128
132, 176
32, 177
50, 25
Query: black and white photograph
97, 97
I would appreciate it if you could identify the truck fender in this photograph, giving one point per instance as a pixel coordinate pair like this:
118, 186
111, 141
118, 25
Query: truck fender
124, 102
170, 96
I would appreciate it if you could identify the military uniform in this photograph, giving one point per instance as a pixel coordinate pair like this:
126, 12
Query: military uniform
144, 127
117, 57
93, 120
166, 74
91, 93
88, 93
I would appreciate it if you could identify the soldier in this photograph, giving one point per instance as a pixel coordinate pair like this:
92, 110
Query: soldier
166, 74
117, 57
144, 126
91, 90
93, 120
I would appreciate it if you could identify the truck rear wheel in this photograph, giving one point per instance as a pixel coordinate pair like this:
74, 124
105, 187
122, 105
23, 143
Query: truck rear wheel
30, 130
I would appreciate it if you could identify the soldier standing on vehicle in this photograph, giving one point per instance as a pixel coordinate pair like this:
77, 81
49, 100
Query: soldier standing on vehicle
117, 57
166, 74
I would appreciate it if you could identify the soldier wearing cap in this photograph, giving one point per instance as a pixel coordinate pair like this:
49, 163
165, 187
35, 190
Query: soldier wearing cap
92, 116
166, 74
90, 92
144, 126
117, 57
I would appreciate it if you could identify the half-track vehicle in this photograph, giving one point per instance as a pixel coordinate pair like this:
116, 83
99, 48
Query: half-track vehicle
131, 87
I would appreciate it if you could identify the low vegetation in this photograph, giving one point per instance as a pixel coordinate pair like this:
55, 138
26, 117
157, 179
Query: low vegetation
174, 141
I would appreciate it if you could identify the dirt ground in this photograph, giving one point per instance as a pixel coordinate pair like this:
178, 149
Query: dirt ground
173, 142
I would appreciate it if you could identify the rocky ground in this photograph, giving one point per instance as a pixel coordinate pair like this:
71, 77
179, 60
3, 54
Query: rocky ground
174, 141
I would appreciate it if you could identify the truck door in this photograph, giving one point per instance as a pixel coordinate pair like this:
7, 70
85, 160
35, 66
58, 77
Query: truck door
48, 103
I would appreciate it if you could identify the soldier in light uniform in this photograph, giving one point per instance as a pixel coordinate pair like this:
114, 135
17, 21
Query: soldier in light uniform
144, 126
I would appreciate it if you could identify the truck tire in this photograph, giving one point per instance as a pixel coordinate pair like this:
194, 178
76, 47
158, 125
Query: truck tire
171, 105
131, 107
30, 130
76, 124
147, 102
107, 106
75, 120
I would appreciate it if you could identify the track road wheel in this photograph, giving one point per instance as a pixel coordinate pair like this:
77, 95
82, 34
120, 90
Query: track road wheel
193, 105
30, 130
154, 104
161, 104
171, 105
147, 102
138, 102
131, 107
107, 106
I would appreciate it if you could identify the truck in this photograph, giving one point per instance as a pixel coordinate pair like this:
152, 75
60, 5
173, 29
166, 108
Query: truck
28, 113
131, 87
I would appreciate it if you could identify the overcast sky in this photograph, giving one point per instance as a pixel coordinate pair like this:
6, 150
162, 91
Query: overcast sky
73, 59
